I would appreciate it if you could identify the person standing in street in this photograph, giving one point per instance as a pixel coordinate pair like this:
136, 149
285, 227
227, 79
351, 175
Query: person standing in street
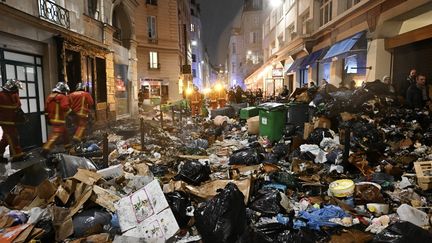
10, 107
57, 108
417, 97
80, 103
213, 99
195, 102
403, 85
285, 92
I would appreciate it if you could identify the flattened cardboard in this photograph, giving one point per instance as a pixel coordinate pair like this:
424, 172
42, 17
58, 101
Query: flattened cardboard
104, 198
87, 177
209, 190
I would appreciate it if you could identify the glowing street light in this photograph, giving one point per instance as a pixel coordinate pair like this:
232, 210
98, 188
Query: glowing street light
189, 91
275, 3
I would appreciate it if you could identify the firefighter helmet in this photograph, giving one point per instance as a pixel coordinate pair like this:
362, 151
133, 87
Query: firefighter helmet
12, 85
61, 88
80, 86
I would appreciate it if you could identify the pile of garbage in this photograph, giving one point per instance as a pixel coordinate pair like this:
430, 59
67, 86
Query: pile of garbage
348, 175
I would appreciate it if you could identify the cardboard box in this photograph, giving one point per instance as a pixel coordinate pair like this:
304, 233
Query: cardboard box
322, 122
146, 214
308, 129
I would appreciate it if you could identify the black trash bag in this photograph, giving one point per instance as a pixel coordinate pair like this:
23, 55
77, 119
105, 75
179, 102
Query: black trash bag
281, 150
222, 218
403, 232
68, 165
271, 158
267, 202
317, 136
90, 222
193, 172
159, 170
269, 232
365, 135
285, 178
304, 235
246, 156
179, 202
48, 234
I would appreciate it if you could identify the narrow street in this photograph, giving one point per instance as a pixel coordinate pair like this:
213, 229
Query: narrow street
216, 121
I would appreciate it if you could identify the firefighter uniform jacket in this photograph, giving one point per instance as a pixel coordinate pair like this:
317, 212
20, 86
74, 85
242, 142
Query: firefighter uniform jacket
80, 103
9, 105
57, 108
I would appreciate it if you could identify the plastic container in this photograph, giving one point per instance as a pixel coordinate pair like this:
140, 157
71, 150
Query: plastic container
272, 120
248, 112
298, 113
342, 188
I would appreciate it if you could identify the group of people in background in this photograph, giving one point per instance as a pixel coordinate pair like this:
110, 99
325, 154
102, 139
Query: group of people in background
58, 105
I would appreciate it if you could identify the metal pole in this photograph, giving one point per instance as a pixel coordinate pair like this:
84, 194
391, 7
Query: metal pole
142, 133
105, 149
161, 116
173, 115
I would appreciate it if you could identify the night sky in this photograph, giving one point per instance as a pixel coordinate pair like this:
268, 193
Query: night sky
216, 18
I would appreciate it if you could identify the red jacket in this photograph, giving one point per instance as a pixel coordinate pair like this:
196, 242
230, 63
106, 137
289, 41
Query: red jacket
57, 108
9, 105
80, 103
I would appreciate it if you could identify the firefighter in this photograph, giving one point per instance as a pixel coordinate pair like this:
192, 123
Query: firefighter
10, 105
222, 99
195, 102
57, 108
80, 103
213, 99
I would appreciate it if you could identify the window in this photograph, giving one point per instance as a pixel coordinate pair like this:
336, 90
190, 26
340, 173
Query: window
151, 27
193, 58
234, 49
192, 27
194, 73
351, 3
326, 9
253, 37
92, 9
151, 2
153, 57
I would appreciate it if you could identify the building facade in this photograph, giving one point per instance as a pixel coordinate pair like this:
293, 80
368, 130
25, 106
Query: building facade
43, 42
245, 45
341, 41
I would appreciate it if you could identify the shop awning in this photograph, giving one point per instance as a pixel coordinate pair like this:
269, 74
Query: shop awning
296, 64
342, 47
313, 58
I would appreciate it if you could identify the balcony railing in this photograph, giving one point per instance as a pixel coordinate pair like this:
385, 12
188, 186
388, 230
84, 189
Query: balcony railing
54, 13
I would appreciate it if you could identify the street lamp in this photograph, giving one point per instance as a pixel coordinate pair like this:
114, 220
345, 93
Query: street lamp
275, 3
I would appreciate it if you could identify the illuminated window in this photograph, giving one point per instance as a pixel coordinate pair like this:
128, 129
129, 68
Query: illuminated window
192, 27
153, 57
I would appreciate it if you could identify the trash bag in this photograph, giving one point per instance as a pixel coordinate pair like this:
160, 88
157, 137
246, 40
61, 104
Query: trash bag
270, 232
48, 234
90, 222
159, 170
285, 178
365, 135
193, 172
368, 193
280, 150
246, 156
317, 136
179, 202
402, 232
222, 218
198, 144
68, 165
267, 202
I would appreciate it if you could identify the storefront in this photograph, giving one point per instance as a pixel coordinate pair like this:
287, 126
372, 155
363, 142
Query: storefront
155, 90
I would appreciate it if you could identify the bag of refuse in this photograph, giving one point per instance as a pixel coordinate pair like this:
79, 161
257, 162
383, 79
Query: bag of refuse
402, 232
179, 202
320, 217
280, 150
285, 178
222, 218
198, 144
267, 201
246, 156
193, 172
317, 136
90, 222
68, 165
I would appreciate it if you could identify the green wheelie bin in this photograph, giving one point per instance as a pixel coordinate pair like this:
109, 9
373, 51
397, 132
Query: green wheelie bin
272, 120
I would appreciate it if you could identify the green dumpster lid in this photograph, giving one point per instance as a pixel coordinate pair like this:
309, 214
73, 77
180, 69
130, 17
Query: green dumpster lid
271, 106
